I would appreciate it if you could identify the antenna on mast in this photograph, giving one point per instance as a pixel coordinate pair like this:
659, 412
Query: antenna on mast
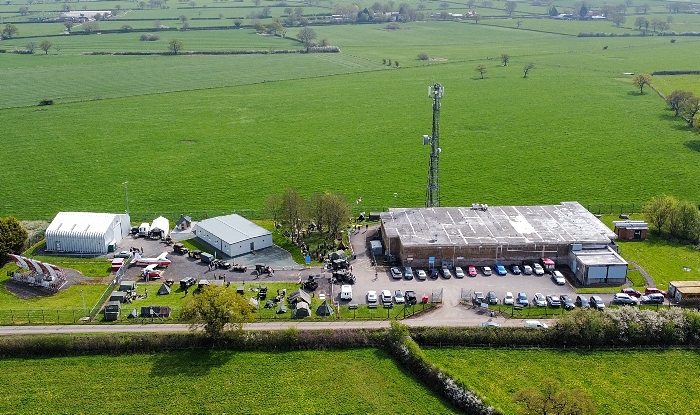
432, 196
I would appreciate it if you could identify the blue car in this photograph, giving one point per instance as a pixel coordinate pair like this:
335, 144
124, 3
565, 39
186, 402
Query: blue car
522, 299
501, 270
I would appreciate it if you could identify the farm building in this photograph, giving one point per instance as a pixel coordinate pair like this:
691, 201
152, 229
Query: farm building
86, 233
484, 235
631, 230
232, 235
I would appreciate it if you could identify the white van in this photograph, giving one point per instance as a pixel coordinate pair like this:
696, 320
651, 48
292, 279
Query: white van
346, 292
535, 324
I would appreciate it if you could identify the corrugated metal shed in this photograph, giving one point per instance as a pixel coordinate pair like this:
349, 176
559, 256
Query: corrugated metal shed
233, 234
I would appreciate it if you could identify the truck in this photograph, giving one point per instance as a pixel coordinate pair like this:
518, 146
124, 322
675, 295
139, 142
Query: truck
180, 249
207, 258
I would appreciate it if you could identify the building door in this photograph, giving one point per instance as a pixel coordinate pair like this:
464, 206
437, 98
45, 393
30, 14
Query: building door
637, 234
252, 246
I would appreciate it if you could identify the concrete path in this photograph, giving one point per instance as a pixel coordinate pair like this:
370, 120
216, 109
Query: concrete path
647, 277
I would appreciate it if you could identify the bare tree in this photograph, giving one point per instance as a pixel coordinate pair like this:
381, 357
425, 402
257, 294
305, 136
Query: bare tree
505, 58
640, 80
482, 69
31, 46
530, 66
175, 46
510, 7
273, 204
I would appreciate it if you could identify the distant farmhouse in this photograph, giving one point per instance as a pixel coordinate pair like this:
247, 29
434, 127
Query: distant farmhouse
83, 15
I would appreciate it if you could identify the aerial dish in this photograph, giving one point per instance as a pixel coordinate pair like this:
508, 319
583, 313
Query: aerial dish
426, 139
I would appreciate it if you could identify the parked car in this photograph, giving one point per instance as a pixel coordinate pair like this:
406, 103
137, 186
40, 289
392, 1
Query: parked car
471, 270
501, 270
386, 296
490, 323
522, 299
654, 290
535, 324
434, 274
396, 273
492, 298
421, 275
446, 272
597, 303
478, 297
567, 302
537, 269
631, 292
582, 302
408, 273
123, 254
487, 271
398, 297
553, 301
508, 299
654, 298
410, 297
558, 278
459, 273
527, 270
539, 300
624, 299
515, 269
371, 296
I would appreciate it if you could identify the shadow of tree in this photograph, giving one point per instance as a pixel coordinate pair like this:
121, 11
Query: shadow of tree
191, 363
693, 144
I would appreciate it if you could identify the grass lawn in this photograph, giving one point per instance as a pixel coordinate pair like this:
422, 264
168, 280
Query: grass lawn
353, 381
619, 382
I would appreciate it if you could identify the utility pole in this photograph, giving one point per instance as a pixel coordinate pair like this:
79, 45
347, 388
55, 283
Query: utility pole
126, 193
432, 197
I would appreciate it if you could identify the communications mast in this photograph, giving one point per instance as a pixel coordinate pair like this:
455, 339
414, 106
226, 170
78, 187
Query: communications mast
432, 195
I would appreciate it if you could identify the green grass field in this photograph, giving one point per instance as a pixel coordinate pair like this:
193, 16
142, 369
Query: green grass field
619, 382
353, 381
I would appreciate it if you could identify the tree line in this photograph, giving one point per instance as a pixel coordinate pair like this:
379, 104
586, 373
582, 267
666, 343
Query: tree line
290, 211
677, 219
13, 238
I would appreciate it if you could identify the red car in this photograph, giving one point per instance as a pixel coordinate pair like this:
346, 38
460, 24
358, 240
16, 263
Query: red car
631, 292
472, 271
654, 290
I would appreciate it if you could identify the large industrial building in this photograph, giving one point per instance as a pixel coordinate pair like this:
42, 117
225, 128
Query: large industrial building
232, 235
86, 233
483, 235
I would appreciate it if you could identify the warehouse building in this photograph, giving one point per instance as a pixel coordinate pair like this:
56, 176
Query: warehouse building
86, 233
483, 235
232, 235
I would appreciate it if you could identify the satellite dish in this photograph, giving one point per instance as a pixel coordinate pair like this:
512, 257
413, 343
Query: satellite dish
426, 139
439, 150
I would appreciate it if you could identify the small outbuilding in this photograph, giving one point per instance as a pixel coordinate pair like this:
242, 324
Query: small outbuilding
631, 230
597, 266
86, 232
164, 289
232, 235
119, 296
684, 292
376, 246
127, 286
184, 223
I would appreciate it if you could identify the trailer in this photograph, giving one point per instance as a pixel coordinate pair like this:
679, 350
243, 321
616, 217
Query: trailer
684, 292
144, 229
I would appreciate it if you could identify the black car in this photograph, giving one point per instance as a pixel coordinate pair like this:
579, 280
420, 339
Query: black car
410, 297
567, 302
582, 302
434, 274
492, 298
597, 303
187, 282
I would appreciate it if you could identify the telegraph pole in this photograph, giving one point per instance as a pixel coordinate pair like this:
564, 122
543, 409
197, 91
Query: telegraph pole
126, 193
432, 197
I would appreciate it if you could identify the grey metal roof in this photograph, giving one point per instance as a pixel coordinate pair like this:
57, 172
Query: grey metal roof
232, 228
566, 223
631, 224
593, 257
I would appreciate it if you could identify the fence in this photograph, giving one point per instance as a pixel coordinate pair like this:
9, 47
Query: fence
40, 316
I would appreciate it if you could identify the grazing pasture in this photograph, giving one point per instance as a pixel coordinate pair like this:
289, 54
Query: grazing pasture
209, 381
619, 382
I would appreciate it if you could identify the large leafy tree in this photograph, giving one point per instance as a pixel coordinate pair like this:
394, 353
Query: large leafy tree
13, 238
307, 35
658, 211
175, 46
217, 310
640, 80
9, 31
552, 399
677, 99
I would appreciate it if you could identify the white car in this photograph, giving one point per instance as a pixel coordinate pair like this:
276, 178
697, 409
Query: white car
508, 299
421, 275
527, 270
398, 297
459, 272
558, 278
371, 296
535, 324
386, 296
537, 269
487, 271
539, 300
396, 273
